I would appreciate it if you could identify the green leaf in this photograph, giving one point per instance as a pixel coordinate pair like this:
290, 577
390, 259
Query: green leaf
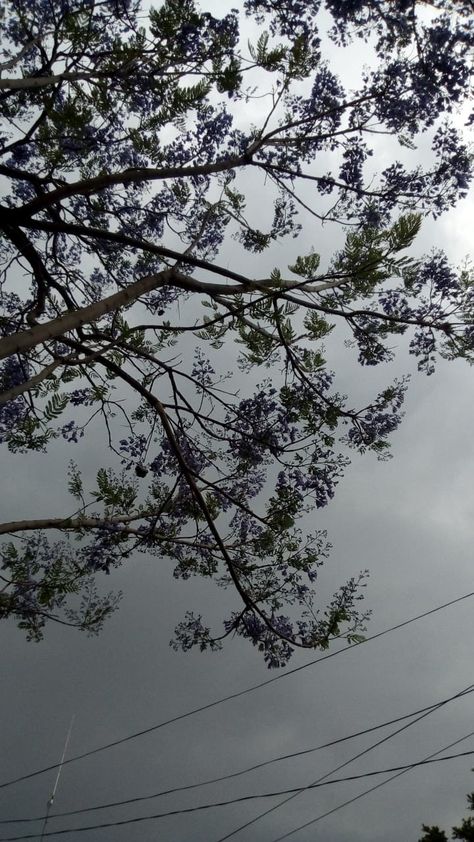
55, 406
74, 485
115, 491
306, 267
404, 231
316, 326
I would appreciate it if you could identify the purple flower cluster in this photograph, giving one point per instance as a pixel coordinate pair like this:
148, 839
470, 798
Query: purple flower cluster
371, 428
259, 427
43, 576
71, 432
244, 487
367, 333
105, 550
11, 307
13, 372
202, 371
166, 461
276, 650
192, 632
354, 158
423, 346
82, 397
133, 447
394, 302
321, 477
455, 170
292, 19
438, 276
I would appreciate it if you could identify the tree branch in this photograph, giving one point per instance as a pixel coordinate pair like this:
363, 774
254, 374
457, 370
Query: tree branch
72, 320
131, 176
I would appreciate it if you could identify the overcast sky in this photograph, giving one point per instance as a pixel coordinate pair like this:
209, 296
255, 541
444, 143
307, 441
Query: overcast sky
408, 520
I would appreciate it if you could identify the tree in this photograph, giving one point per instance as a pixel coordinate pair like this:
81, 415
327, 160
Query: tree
464, 831
433, 834
126, 151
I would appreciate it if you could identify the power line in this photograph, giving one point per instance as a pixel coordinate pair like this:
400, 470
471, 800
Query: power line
235, 695
342, 766
423, 711
243, 798
367, 791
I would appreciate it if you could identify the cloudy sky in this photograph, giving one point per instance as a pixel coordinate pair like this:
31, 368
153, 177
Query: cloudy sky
408, 520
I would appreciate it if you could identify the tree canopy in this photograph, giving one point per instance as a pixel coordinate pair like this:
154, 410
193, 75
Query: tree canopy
432, 833
136, 144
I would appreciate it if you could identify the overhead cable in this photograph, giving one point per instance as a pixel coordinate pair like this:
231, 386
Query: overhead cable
371, 789
110, 804
235, 695
243, 798
341, 766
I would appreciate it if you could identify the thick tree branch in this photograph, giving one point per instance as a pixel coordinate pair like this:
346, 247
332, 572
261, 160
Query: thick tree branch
35, 82
142, 175
328, 280
28, 385
72, 320
10, 394
67, 523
